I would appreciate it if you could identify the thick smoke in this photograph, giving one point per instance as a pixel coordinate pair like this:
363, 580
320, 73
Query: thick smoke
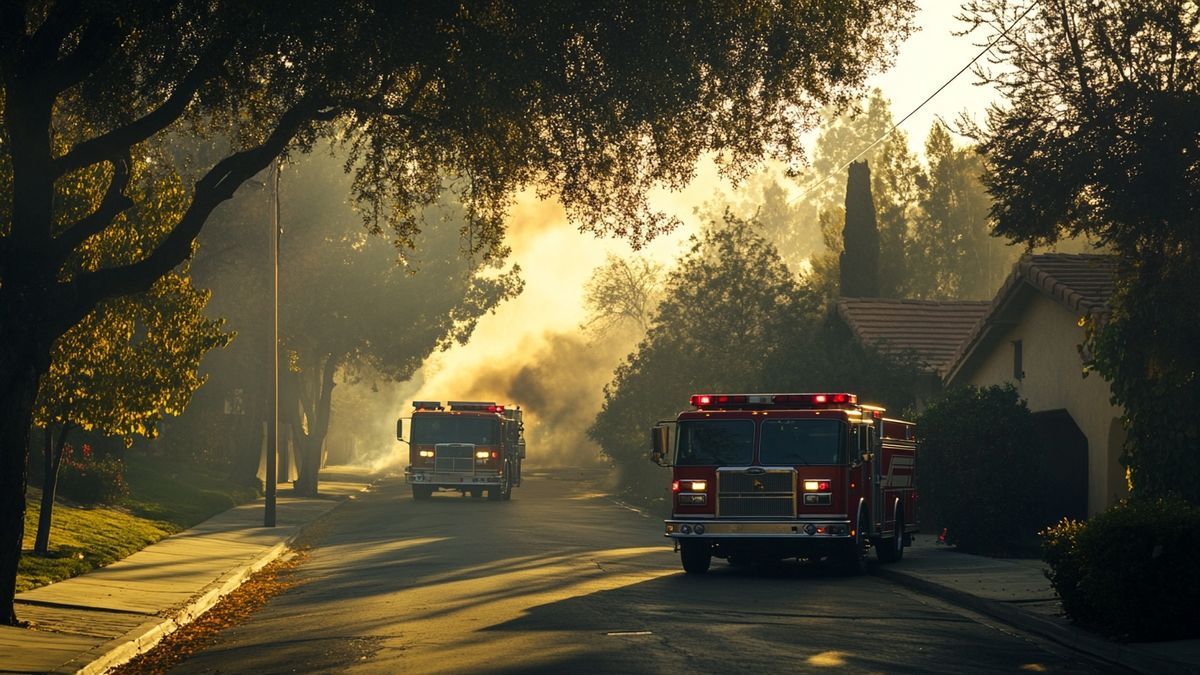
560, 387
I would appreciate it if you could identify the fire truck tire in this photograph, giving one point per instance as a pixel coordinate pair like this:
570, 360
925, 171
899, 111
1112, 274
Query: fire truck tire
503, 491
422, 491
476, 493
891, 549
696, 556
856, 553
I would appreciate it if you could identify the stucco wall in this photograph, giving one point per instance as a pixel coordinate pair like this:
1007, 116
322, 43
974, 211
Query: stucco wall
1049, 335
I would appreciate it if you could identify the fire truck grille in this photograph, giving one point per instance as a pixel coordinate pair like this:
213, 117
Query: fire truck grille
763, 494
460, 458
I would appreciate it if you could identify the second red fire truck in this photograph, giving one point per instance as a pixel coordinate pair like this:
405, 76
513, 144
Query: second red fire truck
472, 447
762, 476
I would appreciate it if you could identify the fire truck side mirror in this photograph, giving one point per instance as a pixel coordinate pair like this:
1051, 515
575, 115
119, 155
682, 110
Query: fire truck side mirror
400, 429
660, 442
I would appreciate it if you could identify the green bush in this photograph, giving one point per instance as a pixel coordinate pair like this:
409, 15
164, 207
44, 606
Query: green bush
90, 480
1129, 572
980, 469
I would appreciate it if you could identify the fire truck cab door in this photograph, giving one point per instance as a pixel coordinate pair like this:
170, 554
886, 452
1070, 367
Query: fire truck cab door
867, 450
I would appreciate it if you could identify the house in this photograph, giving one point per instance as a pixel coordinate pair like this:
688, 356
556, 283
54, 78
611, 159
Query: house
929, 330
1031, 336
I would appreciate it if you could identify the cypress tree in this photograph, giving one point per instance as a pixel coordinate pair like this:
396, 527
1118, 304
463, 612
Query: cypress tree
860, 257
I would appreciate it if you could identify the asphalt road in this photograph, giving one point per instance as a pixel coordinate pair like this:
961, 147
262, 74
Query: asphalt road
562, 579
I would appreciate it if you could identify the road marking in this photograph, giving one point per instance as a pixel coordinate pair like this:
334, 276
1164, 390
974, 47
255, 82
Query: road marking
623, 633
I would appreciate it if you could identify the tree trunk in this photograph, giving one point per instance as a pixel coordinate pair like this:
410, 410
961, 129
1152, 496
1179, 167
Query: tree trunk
309, 452
18, 391
52, 461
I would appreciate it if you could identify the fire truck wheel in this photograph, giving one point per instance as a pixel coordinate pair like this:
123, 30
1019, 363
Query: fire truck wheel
503, 491
422, 491
856, 554
891, 550
476, 493
696, 556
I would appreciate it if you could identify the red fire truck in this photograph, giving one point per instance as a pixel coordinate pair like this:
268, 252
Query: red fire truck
472, 447
768, 476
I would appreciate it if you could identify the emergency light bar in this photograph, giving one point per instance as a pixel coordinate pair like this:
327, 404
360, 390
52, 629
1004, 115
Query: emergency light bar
478, 406
427, 405
704, 401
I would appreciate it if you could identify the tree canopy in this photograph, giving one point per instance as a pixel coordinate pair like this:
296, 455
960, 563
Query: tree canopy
593, 103
726, 305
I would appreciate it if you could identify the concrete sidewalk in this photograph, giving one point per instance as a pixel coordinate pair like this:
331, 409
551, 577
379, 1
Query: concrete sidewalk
105, 617
1018, 593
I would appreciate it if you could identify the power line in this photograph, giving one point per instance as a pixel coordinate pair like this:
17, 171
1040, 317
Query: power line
912, 112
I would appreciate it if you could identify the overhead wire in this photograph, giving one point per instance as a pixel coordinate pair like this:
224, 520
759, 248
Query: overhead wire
894, 127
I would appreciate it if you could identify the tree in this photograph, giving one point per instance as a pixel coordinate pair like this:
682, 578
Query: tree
127, 365
592, 103
1100, 136
348, 308
726, 306
622, 291
960, 256
859, 267
764, 199
895, 175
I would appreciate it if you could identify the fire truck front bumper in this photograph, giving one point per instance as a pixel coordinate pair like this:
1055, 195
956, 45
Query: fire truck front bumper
794, 530
452, 479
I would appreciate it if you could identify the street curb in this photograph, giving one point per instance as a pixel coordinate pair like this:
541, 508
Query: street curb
146, 636
1125, 656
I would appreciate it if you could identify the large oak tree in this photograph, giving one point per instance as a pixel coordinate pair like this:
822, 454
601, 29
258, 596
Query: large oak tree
591, 102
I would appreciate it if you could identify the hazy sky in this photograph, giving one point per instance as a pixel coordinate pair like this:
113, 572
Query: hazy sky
557, 260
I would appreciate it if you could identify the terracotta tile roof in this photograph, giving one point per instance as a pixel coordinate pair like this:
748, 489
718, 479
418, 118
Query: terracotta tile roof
931, 329
1081, 282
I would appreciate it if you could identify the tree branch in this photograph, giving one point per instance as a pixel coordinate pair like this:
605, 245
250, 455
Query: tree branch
405, 109
215, 187
99, 42
110, 207
118, 140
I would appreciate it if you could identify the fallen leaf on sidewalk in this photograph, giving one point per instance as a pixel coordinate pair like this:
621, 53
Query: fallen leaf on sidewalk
231, 610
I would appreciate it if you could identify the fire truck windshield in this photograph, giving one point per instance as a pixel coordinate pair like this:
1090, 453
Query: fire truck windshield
431, 429
715, 442
801, 441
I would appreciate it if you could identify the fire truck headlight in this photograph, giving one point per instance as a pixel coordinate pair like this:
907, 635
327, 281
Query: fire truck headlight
426, 453
482, 454
699, 485
686, 529
699, 529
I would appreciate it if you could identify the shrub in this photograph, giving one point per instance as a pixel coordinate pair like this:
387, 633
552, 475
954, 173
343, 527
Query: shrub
91, 480
979, 463
1129, 572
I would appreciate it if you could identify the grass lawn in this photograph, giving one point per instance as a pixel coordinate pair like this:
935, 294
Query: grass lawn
164, 498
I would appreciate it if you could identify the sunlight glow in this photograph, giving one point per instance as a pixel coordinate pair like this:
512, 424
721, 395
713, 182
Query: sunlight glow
831, 659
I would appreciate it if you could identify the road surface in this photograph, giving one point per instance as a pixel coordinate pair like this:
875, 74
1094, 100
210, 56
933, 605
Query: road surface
563, 579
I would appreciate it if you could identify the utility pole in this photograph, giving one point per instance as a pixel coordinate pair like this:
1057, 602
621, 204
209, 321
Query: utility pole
273, 431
